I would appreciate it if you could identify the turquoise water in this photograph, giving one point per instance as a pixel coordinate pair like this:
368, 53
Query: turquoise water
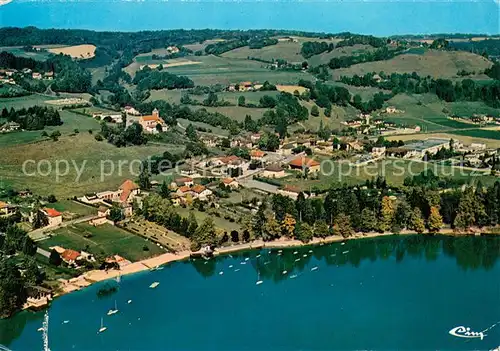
383, 294
370, 17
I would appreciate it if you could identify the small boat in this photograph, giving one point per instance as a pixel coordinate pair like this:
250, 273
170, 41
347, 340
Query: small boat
231, 266
295, 252
129, 302
304, 255
344, 252
314, 268
112, 312
246, 259
237, 270
258, 279
221, 273
243, 263
310, 251
103, 328
342, 243
285, 272
297, 259
65, 322
154, 285
257, 256
40, 329
333, 255
280, 251
293, 276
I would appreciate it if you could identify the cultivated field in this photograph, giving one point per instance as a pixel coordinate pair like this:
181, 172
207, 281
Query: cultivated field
85, 51
443, 64
103, 240
465, 139
202, 46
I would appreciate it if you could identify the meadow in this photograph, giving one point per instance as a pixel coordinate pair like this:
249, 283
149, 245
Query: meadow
19, 51
103, 240
325, 57
461, 136
82, 150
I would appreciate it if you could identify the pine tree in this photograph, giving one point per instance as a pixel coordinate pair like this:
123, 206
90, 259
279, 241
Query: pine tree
435, 221
303, 232
321, 229
342, 226
368, 220
164, 190
466, 210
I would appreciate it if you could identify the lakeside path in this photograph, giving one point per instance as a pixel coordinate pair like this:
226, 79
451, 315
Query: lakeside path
95, 276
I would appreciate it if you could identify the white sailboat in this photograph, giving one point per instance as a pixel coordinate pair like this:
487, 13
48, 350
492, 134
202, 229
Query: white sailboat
154, 285
258, 282
112, 312
103, 328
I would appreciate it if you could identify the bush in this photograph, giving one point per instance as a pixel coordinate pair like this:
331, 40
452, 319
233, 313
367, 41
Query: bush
98, 137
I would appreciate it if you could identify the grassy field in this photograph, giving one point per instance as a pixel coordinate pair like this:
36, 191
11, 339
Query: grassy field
24, 101
18, 51
81, 150
214, 130
71, 121
465, 139
479, 133
442, 64
103, 240
202, 46
325, 57
219, 222
222, 70
71, 209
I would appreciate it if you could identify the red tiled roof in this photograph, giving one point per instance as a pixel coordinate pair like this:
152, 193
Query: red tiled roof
257, 153
198, 188
183, 180
51, 212
227, 180
3, 204
184, 189
127, 188
303, 162
70, 255
229, 159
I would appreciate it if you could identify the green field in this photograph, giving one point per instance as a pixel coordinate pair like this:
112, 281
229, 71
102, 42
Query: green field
219, 222
325, 57
72, 209
284, 50
18, 51
479, 133
103, 240
24, 101
71, 121
81, 150
222, 70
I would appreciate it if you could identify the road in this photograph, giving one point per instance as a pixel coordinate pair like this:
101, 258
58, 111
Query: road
43, 233
43, 252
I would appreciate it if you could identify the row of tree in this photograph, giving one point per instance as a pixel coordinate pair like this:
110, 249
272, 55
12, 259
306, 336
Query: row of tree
148, 78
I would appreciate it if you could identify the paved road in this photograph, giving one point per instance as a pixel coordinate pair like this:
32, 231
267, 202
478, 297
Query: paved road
43, 233
43, 252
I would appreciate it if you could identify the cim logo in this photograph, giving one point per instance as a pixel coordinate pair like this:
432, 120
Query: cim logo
465, 332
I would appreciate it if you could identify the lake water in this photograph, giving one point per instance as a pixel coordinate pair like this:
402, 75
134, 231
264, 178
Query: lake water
398, 293
375, 17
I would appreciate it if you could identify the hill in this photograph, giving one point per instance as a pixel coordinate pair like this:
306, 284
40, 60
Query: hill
442, 64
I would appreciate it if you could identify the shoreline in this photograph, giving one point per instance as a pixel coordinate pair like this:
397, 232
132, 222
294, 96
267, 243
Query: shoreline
95, 276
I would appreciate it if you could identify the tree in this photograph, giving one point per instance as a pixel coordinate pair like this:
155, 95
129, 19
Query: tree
55, 135
54, 258
386, 214
39, 219
466, 210
51, 198
416, 222
288, 225
32, 274
193, 224
241, 101
116, 213
303, 232
368, 220
12, 288
435, 221
321, 229
315, 111
144, 182
204, 235
164, 190
342, 226
271, 229
235, 236
191, 133
28, 246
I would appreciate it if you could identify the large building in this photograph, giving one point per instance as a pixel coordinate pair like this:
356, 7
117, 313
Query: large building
149, 123
302, 163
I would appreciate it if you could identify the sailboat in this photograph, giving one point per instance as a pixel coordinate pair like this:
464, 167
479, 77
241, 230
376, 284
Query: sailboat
112, 312
258, 282
103, 328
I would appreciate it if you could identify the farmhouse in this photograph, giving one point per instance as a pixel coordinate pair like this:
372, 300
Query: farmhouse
230, 183
186, 181
54, 217
129, 110
124, 195
10, 127
274, 171
302, 163
378, 151
149, 123
36, 75
257, 155
290, 191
